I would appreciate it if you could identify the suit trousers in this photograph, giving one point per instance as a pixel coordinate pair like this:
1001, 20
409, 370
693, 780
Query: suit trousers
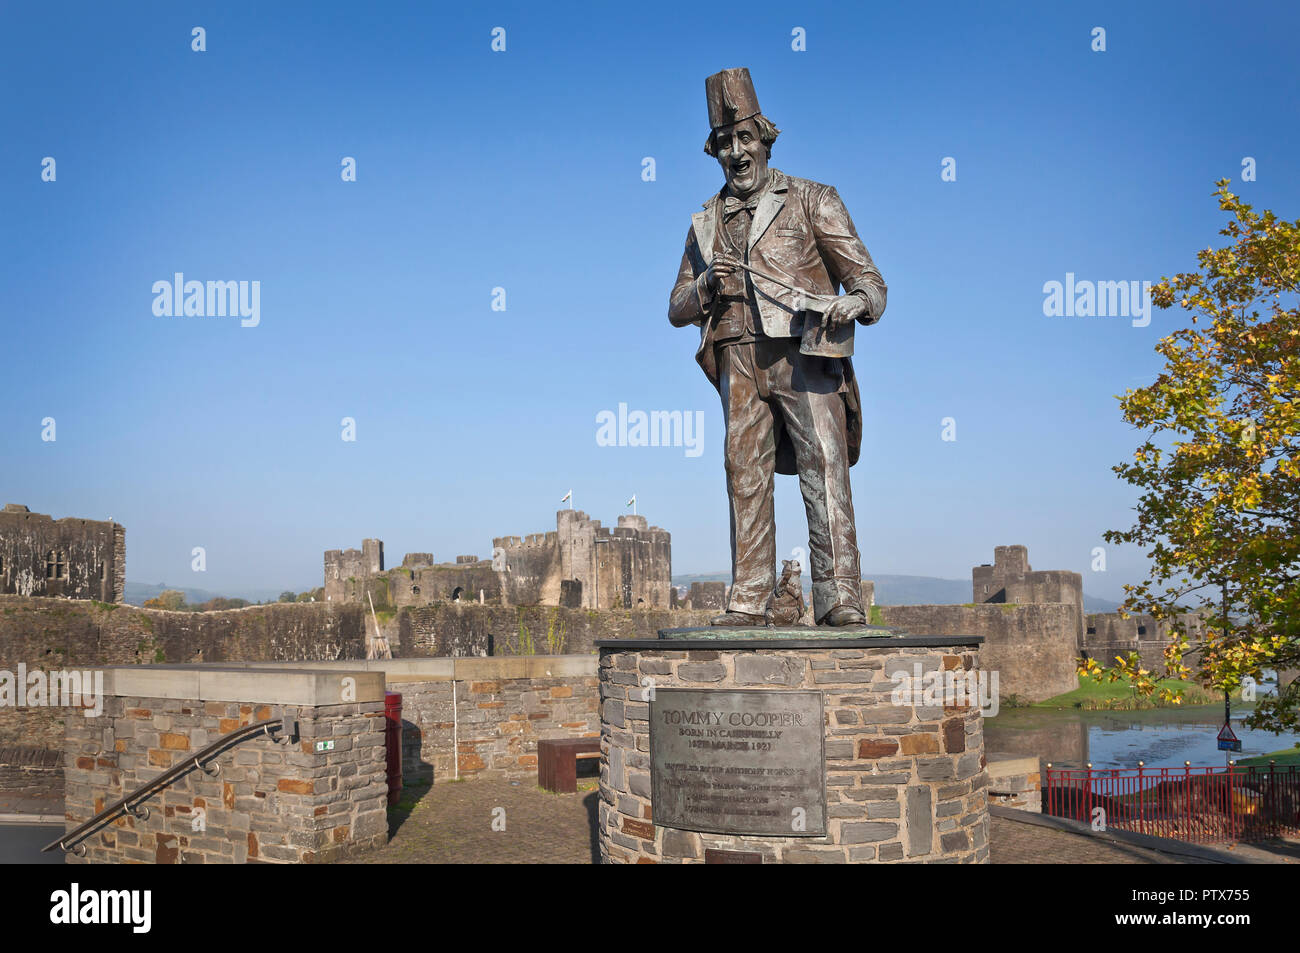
767, 385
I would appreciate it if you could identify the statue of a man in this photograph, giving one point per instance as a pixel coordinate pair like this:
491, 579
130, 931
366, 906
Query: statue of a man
761, 274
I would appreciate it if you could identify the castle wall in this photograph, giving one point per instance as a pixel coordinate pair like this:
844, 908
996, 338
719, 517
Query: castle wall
345, 575
1031, 647
55, 634
469, 629
1107, 636
1011, 580
580, 563
529, 569
443, 583
88, 556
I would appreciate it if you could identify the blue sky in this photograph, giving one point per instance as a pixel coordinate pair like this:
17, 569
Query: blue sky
522, 170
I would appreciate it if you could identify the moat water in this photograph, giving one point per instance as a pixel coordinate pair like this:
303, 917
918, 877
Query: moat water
1162, 738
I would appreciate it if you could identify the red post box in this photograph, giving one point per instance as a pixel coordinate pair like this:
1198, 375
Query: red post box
393, 744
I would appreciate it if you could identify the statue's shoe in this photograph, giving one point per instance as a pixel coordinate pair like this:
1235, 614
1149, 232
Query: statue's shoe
738, 620
843, 615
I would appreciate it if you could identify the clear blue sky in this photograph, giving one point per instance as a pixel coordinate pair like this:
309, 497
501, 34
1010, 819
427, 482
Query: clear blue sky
522, 170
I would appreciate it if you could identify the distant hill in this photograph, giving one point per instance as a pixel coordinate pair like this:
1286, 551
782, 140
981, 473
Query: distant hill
909, 590
135, 593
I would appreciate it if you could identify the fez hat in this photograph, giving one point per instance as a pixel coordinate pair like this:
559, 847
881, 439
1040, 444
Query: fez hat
731, 97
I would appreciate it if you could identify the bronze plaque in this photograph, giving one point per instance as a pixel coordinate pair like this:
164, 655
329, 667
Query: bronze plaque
738, 762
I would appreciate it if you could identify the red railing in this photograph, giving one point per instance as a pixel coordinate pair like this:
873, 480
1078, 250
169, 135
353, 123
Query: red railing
1202, 805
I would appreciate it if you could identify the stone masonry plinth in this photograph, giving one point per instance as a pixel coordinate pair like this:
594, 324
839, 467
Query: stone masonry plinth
903, 782
320, 798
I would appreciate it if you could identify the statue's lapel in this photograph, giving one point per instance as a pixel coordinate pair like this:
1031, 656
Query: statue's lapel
769, 206
705, 222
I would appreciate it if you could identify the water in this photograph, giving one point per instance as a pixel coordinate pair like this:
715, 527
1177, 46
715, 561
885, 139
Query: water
1163, 738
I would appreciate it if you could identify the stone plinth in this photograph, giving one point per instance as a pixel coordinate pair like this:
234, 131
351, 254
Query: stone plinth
317, 799
904, 776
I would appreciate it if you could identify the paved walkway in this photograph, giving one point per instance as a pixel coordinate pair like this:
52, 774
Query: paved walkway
492, 822
453, 823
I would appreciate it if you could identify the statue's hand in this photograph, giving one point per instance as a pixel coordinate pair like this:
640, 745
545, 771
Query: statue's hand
843, 310
722, 267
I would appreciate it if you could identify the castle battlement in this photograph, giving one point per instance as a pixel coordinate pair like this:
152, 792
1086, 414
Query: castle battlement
71, 558
580, 564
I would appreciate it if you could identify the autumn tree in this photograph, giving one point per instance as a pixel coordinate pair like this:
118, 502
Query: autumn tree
1219, 510
172, 599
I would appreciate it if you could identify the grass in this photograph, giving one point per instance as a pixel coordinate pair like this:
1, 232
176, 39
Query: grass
1283, 757
1120, 696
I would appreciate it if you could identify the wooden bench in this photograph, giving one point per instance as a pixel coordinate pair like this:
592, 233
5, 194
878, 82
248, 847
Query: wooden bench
557, 762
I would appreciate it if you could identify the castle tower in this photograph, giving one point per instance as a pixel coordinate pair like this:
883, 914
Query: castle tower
372, 554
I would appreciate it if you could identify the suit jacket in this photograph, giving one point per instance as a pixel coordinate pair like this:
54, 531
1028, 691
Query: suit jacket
801, 233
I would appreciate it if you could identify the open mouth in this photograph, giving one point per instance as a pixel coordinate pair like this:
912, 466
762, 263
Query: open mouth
739, 169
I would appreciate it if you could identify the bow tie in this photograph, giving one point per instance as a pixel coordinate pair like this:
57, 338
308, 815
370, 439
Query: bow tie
732, 205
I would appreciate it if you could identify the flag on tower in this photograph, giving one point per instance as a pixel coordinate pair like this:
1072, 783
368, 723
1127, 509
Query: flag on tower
568, 497
632, 503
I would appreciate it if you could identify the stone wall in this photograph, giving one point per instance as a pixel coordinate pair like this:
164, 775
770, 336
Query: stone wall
1016, 782
1108, 635
30, 772
1032, 648
467, 629
903, 782
269, 802
504, 707
580, 563
69, 558
61, 634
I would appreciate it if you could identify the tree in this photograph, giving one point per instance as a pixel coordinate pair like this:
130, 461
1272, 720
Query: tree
288, 596
172, 599
1220, 480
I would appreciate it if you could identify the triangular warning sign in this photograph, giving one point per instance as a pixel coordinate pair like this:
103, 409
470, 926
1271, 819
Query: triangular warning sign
1225, 733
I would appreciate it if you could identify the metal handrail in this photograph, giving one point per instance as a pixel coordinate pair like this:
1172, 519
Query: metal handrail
133, 803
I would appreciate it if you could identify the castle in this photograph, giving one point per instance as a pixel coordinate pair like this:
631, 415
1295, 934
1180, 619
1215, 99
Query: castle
581, 565
1012, 580
1099, 635
69, 558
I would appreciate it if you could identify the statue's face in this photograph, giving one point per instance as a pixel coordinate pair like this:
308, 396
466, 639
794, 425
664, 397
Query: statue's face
743, 157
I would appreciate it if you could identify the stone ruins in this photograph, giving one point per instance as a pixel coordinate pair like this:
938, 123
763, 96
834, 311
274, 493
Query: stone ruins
70, 558
581, 565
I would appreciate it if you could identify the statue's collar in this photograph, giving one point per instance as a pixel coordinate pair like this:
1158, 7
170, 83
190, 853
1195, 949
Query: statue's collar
777, 181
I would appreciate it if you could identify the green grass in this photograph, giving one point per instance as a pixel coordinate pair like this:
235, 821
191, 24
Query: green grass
1284, 756
877, 616
1120, 696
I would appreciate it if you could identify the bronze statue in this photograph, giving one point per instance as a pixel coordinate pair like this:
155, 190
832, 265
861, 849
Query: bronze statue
761, 274
785, 604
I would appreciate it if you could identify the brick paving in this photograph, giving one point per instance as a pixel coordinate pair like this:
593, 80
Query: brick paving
451, 823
